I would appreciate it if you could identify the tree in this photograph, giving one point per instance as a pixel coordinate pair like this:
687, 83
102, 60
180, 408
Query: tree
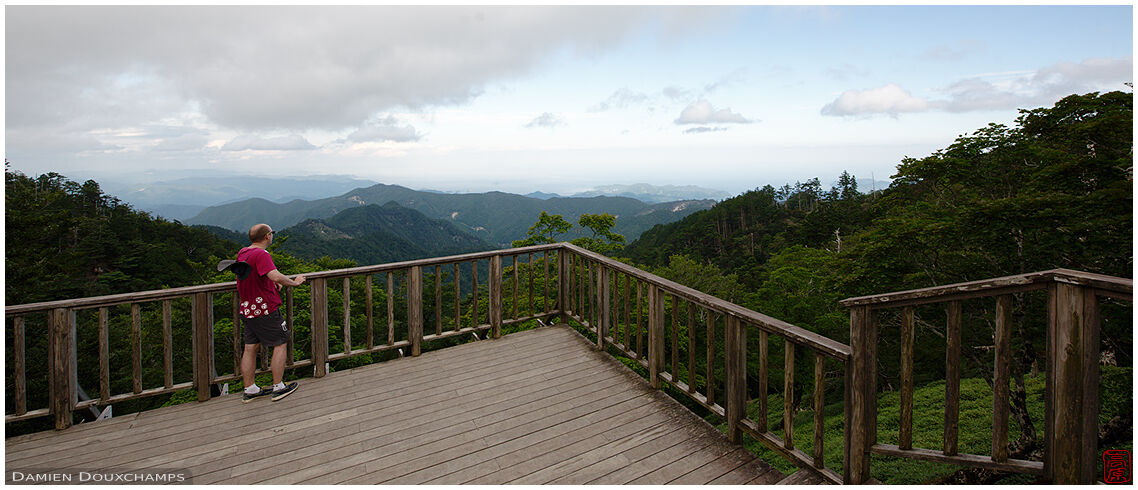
545, 230
603, 240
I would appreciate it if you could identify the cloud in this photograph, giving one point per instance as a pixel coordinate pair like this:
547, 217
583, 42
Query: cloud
259, 143
992, 91
736, 77
387, 129
846, 72
703, 129
676, 93
702, 112
621, 99
546, 120
954, 52
890, 99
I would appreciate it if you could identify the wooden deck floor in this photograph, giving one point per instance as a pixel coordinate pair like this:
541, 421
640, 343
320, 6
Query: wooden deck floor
534, 407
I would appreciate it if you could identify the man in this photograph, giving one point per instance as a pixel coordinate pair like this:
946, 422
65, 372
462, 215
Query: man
260, 307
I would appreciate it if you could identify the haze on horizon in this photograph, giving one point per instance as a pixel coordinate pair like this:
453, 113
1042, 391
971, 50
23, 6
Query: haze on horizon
527, 98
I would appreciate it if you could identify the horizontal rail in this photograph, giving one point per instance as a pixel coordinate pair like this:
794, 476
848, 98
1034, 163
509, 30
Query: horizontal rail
1013, 465
174, 293
1114, 287
796, 334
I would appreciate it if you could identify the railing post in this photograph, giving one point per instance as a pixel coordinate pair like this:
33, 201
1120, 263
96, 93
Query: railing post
1070, 455
496, 295
603, 304
563, 283
861, 403
415, 309
736, 377
202, 311
655, 335
319, 314
63, 395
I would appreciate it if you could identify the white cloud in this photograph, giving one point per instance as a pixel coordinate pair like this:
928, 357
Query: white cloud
387, 129
546, 120
272, 143
621, 99
890, 99
993, 91
704, 129
676, 93
702, 112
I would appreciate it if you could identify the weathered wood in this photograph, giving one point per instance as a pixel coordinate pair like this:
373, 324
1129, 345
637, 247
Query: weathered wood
691, 348
655, 336
952, 379
516, 285
370, 299
627, 310
736, 376
788, 397
438, 300
604, 303
457, 300
415, 309
237, 342
319, 315
136, 347
104, 354
763, 380
859, 402
201, 307
591, 295
291, 326
474, 302
1122, 287
1013, 465
168, 343
639, 324
1001, 379
1072, 384
347, 315
675, 338
390, 308
530, 269
710, 375
496, 296
905, 439
819, 408
20, 374
545, 282
799, 458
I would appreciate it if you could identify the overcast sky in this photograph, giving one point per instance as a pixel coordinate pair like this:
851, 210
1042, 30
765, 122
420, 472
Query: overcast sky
558, 99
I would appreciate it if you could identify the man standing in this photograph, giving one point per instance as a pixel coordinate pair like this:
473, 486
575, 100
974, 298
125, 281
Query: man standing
260, 307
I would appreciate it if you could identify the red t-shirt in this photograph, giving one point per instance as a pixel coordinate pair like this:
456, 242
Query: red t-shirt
259, 296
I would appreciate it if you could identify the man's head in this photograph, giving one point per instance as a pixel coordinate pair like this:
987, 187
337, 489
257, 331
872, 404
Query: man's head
260, 233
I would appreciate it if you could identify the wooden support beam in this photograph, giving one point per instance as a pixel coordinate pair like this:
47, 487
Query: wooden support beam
496, 296
63, 396
1001, 380
415, 308
736, 377
1072, 384
952, 380
319, 316
201, 306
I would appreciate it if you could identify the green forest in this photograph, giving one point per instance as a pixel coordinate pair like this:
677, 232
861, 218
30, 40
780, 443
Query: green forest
1054, 190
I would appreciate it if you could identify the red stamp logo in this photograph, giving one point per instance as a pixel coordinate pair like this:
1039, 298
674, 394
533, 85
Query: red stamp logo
1116, 466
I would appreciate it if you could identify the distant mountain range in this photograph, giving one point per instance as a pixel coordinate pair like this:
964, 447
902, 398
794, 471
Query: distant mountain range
374, 234
645, 192
495, 217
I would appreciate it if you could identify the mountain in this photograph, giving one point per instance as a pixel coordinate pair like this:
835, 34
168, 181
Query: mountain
186, 197
655, 194
495, 217
374, 234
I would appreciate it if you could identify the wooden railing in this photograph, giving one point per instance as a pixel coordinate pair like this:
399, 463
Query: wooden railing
628, 309
68, 325
699, 344
1072, 382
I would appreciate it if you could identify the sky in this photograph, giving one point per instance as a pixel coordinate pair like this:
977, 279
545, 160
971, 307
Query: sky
529, 98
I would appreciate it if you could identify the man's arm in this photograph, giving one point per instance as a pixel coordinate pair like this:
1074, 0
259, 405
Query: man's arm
283, 280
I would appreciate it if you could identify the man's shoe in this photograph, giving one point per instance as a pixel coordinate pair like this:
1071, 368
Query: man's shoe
265, 390
288, 389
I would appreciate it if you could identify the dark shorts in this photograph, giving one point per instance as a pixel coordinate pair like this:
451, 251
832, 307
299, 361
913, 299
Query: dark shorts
269, 330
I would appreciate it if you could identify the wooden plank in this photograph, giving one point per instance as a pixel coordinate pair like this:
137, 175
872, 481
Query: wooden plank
438, 301
530, 270
291, 326
1013, 465
788, 397
318, 303
858, 401
369, 299
237, 342
347, 315
390, 308
763, 379
639, 325
61, 380
952, 379
675, 338
457, 300
691, 347
201, 311
136, 347
495, 291
819, 408
655, 336
736, 377
908, 337
415, 309
167, 345
716, 468
20, 374
710, 358
1001, 380
104, 354
1073, 355
514, 261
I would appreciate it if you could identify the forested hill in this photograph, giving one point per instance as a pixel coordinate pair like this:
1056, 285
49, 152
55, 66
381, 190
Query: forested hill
495, 217
376, 234
1054, 190
69, 240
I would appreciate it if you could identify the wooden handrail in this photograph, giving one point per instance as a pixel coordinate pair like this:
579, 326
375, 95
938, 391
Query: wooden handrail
1115, 287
